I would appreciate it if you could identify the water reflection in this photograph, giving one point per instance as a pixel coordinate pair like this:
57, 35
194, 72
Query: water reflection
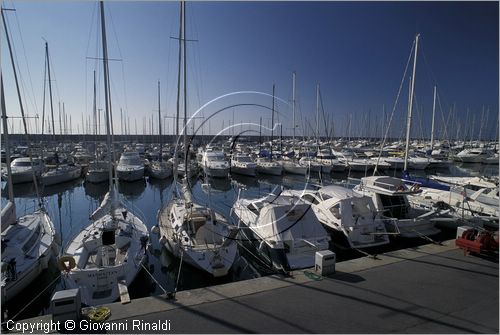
132, 189
96, 191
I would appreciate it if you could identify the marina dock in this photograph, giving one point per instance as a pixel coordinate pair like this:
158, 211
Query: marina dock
427, 289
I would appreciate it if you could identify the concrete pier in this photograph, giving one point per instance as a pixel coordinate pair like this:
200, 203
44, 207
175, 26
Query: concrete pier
427, 289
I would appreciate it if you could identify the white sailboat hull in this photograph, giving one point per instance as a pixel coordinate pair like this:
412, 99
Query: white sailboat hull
61, 175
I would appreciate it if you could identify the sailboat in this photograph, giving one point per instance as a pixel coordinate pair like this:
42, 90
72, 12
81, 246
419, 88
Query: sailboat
160, 169
390, 194
291, 165
28, 241
98, 169
107, 255
193, 232
267, 165
63, 172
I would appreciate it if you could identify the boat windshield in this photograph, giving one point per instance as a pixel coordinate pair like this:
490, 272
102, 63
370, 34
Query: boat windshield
212, 158
23, 163
361, 207
243, 159
129, 161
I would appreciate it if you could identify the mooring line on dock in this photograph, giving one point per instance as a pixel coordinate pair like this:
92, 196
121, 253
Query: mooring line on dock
179, 273
365, 253
154, 279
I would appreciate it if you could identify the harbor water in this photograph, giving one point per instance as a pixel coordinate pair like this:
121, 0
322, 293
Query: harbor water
70, 205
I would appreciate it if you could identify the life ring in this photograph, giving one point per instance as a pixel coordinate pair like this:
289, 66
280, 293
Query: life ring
61, 263
99, 314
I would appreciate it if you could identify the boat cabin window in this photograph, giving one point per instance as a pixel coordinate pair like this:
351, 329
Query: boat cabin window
310, 198
335, 209
394, 206
361, 207
245, 159
108, 237
325, 196
23, 163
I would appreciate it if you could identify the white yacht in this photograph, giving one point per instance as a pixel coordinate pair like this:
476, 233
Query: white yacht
473, 155
215, 164
348, 215
97, 172
243, 164
476, 188
389, 195
108, 252
461, 205
282, 229
130, 167
22, 170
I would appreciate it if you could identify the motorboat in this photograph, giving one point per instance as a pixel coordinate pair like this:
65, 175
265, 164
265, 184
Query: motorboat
243, 164
390, 196
476, 188
214, 164
348, 215
281, 229
24, 167
130, 167
472, 155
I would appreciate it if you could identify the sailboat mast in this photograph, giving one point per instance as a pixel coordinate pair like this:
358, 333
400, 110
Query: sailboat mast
293, 109
95, 120
272, 126
106, 95
185, 87
6, 140
178, 95
21, 108
410, 102
50, 91
159, 121
317, 116
433, 116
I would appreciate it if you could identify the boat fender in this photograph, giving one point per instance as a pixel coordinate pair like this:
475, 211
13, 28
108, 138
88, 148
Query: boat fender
61, 263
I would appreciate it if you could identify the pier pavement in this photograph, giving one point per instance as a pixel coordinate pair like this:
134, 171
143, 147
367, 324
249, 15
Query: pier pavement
426, 289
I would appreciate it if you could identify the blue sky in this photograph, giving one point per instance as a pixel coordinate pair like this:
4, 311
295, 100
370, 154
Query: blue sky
355, 51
